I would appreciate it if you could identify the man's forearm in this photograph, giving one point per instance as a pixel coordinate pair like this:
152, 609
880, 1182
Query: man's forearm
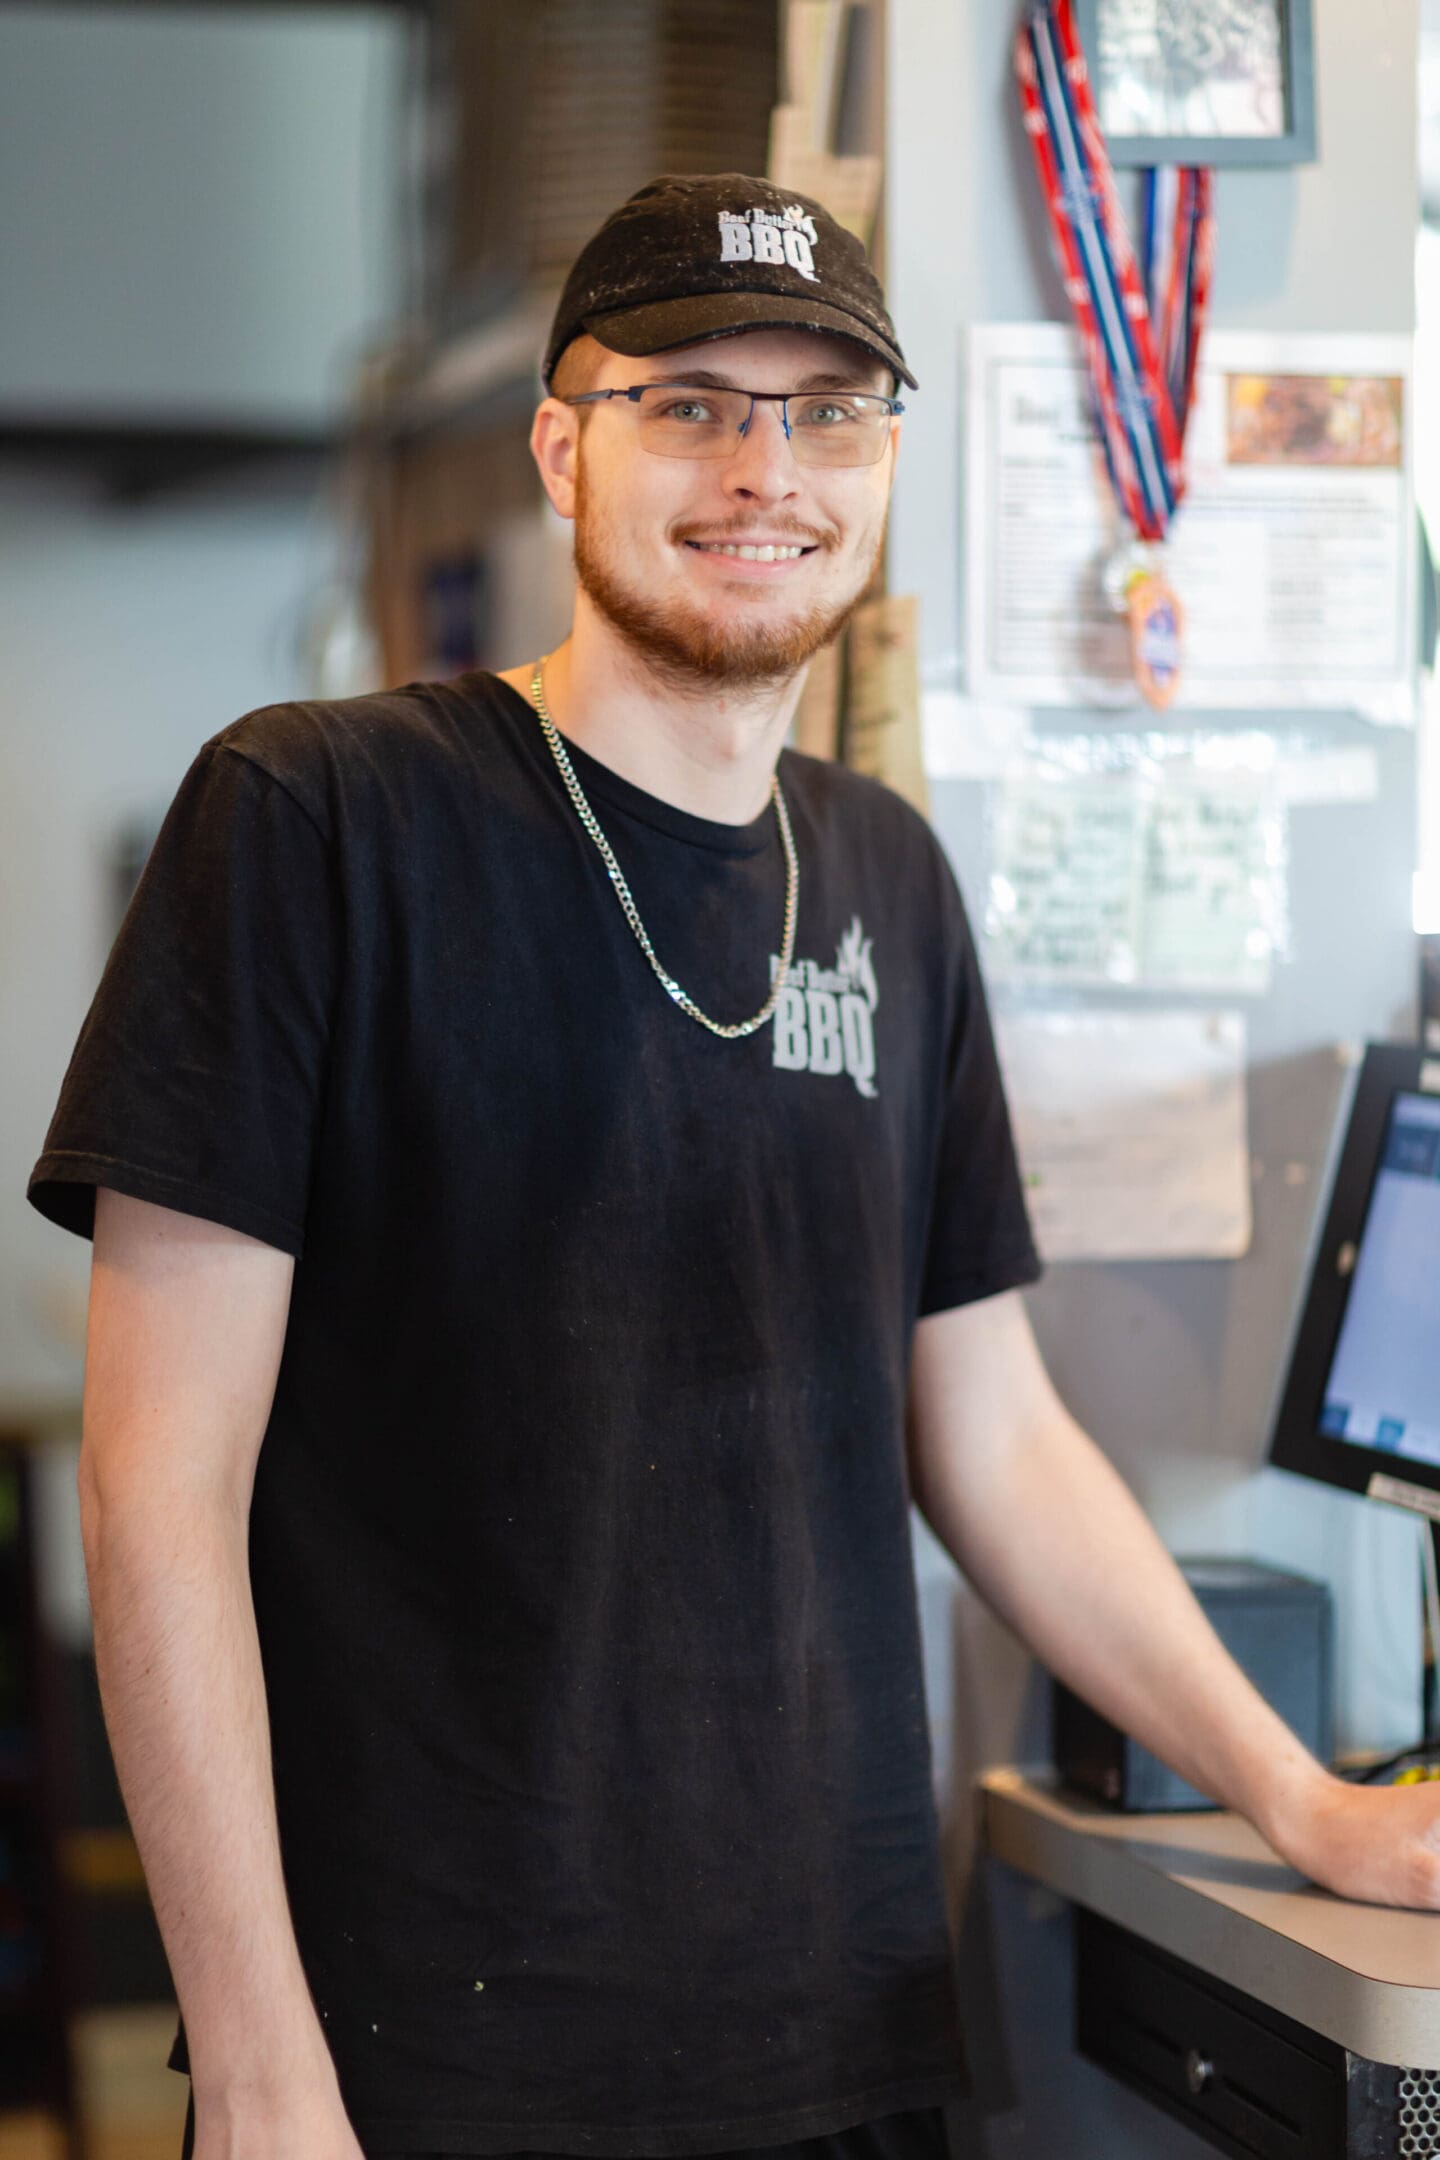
182, 1687
1054, 1540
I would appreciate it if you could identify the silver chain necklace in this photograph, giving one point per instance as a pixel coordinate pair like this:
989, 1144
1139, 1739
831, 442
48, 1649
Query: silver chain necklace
632, 913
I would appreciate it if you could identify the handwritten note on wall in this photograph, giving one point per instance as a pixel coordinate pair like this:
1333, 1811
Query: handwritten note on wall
1127, 880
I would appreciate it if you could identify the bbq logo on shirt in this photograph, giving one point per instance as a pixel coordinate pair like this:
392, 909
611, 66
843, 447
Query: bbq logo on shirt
770, 236
824, 1018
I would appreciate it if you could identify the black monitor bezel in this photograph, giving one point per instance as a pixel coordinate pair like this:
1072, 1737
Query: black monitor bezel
1296, 1442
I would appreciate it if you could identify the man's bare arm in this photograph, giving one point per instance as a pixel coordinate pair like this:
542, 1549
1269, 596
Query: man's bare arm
1054, 1540
186, 1326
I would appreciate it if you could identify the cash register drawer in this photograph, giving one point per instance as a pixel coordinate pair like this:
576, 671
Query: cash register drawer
1250, 2082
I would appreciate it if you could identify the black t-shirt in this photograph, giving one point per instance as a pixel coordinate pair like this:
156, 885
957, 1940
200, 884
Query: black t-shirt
579, 1537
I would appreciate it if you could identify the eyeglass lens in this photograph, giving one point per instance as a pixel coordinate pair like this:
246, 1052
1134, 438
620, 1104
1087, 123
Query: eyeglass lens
826, 427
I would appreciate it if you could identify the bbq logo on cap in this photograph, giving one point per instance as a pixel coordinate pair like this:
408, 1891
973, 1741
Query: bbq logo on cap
770, 236
692, 256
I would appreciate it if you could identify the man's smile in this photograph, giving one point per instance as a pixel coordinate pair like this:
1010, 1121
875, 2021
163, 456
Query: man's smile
753, 558
766, 551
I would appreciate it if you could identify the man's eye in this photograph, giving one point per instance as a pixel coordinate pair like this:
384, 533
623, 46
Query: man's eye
692, 409
831, 412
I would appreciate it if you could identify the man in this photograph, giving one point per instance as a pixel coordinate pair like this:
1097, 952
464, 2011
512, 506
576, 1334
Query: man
563, 1124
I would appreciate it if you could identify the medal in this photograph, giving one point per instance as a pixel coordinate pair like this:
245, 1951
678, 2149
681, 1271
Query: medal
1137, 586
1156, 623
1133, 559
1140, 336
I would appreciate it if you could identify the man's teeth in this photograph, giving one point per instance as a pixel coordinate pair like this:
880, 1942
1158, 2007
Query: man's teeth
748, 554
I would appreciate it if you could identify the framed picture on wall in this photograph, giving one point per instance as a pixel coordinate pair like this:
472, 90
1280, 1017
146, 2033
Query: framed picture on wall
1230, 82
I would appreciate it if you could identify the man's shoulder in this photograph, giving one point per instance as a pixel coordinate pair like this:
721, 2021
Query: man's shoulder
856, 821
312, 746
845, 802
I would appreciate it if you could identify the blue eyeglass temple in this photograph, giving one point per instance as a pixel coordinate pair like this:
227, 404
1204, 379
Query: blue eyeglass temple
782, 397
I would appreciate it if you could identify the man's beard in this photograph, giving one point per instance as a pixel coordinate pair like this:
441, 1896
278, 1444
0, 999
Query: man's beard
682, 644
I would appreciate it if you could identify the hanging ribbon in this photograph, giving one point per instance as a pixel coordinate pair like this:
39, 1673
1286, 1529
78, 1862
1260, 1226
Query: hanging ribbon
1177, 247
1140, 332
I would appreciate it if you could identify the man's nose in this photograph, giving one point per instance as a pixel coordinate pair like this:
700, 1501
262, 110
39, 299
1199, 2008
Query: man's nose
762, 462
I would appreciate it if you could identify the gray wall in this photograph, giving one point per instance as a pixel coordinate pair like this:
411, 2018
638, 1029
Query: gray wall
1172, 1366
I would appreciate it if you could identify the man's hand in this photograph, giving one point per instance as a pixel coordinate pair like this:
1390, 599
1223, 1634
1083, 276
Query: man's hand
1377, 1843
1058, 1546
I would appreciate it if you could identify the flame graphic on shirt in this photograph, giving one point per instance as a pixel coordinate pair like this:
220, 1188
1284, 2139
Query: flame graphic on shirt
852, 959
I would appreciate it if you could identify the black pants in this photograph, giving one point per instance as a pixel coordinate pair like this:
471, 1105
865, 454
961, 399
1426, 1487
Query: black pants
917, 2134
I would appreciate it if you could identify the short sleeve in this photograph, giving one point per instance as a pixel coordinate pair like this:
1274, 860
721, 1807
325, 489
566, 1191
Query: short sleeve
980, 1239
197, 1079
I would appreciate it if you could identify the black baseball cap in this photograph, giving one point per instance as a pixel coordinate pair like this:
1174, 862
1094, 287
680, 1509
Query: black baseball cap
705, 255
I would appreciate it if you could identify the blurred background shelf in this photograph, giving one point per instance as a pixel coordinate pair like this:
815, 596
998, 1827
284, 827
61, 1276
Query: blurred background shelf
131, 2106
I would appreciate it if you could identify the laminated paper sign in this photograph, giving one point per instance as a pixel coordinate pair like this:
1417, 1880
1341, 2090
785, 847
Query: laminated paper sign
1131, 1131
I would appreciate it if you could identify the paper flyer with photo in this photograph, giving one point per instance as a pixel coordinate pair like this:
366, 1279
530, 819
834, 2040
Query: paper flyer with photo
1294, 552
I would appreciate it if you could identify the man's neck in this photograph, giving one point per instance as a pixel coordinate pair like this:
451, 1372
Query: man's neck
711, 752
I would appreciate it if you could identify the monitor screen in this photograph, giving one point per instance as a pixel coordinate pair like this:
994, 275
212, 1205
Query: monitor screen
1383, 1387
1360, 1404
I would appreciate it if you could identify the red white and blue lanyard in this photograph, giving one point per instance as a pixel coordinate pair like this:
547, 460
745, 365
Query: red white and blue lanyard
1141, 339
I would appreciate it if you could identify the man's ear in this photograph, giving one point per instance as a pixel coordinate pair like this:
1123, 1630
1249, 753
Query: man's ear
555, 445
895, 425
